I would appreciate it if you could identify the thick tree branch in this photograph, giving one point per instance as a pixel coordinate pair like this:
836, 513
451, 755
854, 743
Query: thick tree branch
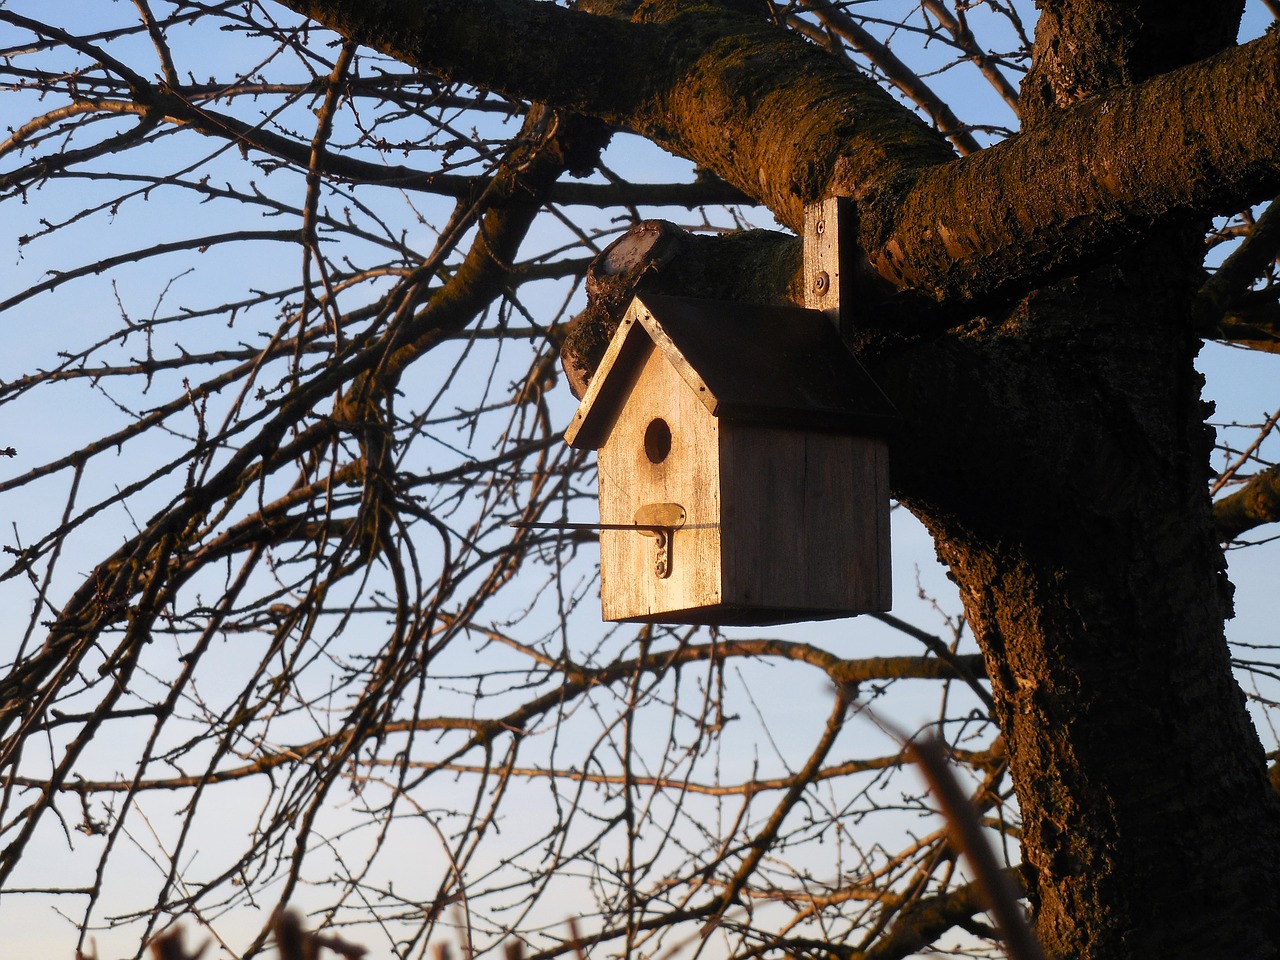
1041, 429
717, 87
1255, 504
1253, 321
1227, 308
1231, 282
1052, 201
709, 84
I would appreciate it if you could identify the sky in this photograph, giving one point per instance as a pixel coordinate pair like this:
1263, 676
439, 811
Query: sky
43, 426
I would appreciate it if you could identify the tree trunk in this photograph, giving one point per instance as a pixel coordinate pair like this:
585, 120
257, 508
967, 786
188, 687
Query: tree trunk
1077, 525
1076, 522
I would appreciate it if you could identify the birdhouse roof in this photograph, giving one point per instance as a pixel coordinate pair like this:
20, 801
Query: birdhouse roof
761, 364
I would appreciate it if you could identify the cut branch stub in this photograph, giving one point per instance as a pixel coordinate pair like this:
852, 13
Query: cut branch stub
611, 281
649, 245
751, 266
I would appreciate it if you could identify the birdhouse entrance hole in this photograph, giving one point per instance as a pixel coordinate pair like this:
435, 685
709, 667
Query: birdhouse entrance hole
657, 440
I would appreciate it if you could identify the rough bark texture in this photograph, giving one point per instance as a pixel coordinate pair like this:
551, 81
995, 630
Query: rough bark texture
1258, 502
1094, 584
1085, 46
1095, 587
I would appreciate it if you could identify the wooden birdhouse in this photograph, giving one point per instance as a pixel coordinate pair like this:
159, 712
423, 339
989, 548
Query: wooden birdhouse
743, 467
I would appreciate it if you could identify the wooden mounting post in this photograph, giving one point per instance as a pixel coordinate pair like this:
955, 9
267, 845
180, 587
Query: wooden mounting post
828, 247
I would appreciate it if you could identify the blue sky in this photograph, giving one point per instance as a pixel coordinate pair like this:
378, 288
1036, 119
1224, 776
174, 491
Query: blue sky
49, 422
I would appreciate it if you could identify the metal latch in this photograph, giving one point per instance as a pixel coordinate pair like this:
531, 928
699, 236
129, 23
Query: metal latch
660, 521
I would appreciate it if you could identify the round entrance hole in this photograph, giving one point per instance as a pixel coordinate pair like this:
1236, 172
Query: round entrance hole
657, 440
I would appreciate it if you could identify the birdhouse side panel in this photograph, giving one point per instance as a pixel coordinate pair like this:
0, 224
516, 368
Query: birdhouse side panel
661, 449
806, 522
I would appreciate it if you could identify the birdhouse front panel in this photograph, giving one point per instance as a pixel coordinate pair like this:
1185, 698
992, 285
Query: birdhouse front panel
659, 463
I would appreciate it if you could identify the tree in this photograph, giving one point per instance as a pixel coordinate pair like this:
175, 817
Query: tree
310, 606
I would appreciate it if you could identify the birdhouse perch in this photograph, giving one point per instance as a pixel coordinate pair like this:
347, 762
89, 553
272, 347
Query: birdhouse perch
743, 466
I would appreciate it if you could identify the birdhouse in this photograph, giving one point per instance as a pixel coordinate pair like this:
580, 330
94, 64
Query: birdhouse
743, 467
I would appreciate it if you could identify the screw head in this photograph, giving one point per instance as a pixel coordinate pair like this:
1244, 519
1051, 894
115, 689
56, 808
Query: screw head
821, 283
821, 227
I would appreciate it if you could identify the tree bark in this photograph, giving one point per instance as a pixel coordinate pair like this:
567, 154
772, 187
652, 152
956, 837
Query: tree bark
1094, 581
1073, 514
1255, 504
